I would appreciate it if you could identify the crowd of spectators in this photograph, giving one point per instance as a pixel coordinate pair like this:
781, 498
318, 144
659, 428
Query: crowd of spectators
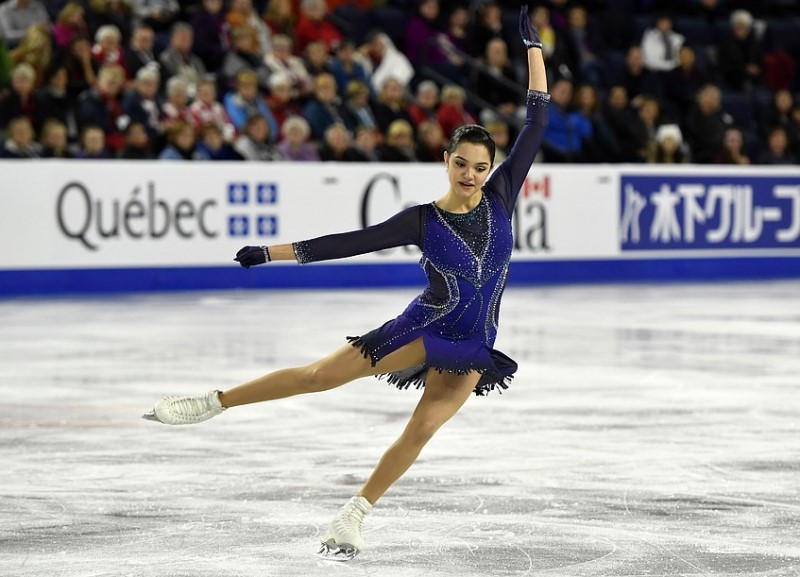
702, 81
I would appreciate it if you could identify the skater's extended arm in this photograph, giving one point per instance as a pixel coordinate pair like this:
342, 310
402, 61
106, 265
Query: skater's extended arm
404, 228
509, 176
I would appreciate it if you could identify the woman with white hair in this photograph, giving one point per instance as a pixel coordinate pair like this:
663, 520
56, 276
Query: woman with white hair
741, 53
107, 48
295, 144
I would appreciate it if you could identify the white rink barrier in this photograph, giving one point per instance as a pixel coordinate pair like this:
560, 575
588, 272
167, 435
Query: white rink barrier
84, 226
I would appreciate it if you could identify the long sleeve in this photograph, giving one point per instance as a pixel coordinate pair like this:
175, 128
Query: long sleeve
404, 228
507, 180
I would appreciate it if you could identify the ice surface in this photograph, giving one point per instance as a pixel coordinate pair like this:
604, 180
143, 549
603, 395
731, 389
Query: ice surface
651, 430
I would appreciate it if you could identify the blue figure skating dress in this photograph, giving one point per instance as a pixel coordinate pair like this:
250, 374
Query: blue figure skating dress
465, 258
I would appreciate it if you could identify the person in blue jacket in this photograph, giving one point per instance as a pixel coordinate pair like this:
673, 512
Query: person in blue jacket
444, 339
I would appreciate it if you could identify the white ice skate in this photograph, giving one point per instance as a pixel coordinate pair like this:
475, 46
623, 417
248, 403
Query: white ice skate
342, 541
186, 410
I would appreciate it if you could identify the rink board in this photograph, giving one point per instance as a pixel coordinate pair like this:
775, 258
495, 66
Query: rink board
137, 226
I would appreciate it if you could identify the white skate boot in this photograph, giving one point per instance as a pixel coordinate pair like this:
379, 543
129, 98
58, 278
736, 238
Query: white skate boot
186, 410
342, 541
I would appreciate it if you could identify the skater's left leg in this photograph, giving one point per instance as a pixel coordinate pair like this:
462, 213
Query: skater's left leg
443, 396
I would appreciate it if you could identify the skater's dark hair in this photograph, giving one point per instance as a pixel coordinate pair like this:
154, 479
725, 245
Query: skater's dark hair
474, 134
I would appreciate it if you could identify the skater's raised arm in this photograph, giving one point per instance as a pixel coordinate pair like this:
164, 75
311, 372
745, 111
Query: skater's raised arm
509, 176
404, 228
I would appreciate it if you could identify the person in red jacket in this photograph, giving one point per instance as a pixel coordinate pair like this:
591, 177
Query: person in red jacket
314, 25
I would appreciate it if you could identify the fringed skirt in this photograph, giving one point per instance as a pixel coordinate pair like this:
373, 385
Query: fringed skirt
441, 354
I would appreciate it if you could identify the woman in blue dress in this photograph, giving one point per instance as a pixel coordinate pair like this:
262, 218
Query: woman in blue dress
443, 340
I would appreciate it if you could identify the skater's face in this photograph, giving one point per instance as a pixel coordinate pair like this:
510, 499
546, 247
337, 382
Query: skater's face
468, 168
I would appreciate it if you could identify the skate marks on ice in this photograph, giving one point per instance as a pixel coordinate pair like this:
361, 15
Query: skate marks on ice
650, 431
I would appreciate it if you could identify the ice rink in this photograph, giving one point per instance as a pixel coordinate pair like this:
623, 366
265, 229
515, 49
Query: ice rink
651, 431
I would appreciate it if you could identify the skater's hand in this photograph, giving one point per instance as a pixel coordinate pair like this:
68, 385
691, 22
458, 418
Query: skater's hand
529, 35
252, 255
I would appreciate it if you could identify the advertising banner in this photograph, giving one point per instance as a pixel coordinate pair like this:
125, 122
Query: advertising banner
63, 221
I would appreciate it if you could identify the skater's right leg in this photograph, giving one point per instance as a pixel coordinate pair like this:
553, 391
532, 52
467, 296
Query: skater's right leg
340, 367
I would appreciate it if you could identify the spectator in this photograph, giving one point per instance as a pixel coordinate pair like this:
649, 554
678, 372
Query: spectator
210, 34
117, 13
424, 107
391, 105
92, 144
669, 147
20, 143
212, 145
138, 145
399, 143
53, 139
314, 25
178, 59
160, 15
706, 124
280, 101
55, 103
107, 48
69, 24
176, 107
732, 150
635, 78
35, 49
337, 145
625, 126
386, 61
579, 46
281, 60
246, 101
207, 110
451, 113
499, 130
141, 104
317, 59
779, 114
359, 111
241, 14
566, 131
660, 45
17, 16
458, 29
324, 109
495, 80
682, 83
244, 55
366, 143
741, 54
81, 69
778, 150
101, 106
346, 66
294, 143
279, 16
649, 112
255, 142
180, 142
5, 66
21, 99
540, 16
426, 45
140, 53
431, 141
602, 145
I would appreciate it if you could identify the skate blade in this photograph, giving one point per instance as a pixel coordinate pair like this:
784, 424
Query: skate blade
330, 551
151, 416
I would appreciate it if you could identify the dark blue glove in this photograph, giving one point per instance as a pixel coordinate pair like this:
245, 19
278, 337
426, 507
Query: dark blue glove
252, 255
529, 35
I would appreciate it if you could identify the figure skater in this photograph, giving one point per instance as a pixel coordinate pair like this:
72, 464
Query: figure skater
443, 340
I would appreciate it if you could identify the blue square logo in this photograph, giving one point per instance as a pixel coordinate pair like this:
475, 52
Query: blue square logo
238, 193
267, 225
238, 225
267, 193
